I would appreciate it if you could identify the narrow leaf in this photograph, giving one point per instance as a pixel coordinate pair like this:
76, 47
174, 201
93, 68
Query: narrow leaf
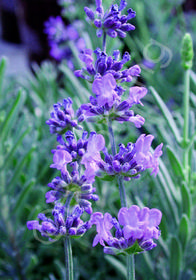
175, 258
186, 200
168, 116
183, 231
23, 195
15, 146
18, 170
11, 117
2, 72
175, 163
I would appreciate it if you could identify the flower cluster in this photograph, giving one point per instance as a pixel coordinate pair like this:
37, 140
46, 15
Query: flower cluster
107, 104
106, 64
135, 230
62, 118
111, 22
59, 35
131, 160
61, 225
72, 182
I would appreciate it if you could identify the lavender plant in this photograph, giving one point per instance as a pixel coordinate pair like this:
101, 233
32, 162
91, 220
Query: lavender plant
80, 160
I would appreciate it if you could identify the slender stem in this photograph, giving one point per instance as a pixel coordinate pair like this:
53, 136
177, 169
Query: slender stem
111, 135
104, 42
67, 245
130, 268
130, 259
186, 123
68, 259
122, 192
67, 203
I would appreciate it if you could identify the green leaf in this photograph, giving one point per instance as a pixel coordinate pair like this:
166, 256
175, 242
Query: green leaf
175, 163
175, 258
170, 201
107, 178
117, 265
23, 195
9, 157
18, 170
168, 116
183, 231
32, 263
12, 115
2, 71
186, 200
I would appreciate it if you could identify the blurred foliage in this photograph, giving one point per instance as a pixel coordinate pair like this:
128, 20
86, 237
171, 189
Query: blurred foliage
25, 156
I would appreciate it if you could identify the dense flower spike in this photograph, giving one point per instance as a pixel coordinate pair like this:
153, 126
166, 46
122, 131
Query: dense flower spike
130, 161
112, 22
60, 226
135, 230
62, 118
58, 37
105, 64
72, 182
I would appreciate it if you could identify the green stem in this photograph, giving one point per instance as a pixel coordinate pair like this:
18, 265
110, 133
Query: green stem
130, 259
68, 259
122, 191
111, 135
186, 124
104, 42
130, 268
67, 245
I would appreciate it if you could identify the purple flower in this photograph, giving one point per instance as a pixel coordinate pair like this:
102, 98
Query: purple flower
144, 157
133, 225
131, 160
61, 158
112, 22
103, 88
60, 225
103, 225
91, 158
55, 29
135, 94
62, 118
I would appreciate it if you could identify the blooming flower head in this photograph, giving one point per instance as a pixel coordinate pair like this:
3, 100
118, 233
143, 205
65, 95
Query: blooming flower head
105, 64
108, 104
131, 160
112, 22
62, 118
72, 182
135, 230
60, 225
